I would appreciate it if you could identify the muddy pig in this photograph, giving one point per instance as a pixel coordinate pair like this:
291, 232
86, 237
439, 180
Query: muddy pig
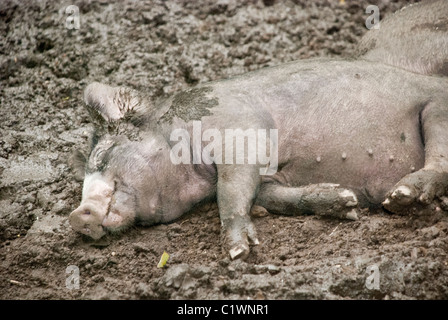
343, 135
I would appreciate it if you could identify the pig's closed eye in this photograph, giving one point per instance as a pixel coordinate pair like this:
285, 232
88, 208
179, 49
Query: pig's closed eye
98, 154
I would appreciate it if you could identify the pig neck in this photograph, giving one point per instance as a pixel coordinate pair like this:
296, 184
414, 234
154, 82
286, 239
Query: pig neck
182, 186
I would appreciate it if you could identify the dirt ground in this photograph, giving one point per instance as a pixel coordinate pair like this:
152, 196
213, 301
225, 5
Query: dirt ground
161, 47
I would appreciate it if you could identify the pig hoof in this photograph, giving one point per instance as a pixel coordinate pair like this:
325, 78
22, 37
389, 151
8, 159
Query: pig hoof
349, 198
258, 211
239, 233
352, 215
239, 252
241, 249
400, 197
330, 200
416, 190
402, 192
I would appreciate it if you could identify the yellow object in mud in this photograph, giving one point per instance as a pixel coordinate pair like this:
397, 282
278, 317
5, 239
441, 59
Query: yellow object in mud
163, 259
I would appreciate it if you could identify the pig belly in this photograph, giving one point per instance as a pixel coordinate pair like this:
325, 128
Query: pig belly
370, 161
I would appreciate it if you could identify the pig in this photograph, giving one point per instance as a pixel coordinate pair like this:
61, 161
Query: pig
349, 134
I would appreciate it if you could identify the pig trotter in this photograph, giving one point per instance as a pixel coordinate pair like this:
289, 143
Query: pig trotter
237, 188
258, 211
239, 232
418, 188
324, 199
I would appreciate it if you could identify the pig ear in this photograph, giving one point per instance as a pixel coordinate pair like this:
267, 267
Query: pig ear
111, 103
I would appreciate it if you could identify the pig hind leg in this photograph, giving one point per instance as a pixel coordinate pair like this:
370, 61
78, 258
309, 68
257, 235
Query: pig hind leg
420, 188
323, 199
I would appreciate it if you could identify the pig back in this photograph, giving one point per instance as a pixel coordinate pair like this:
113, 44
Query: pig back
414, 38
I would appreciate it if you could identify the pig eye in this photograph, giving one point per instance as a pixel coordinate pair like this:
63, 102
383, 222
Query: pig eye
98, 154
87, 212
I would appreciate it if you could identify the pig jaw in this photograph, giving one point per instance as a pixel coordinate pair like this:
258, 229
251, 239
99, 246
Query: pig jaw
96, 197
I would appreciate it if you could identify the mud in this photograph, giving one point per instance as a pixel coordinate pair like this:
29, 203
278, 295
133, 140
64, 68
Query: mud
161, 47
190, 105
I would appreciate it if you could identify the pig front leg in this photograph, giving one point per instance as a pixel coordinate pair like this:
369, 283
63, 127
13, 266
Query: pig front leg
423, 186
236, 190
324, 199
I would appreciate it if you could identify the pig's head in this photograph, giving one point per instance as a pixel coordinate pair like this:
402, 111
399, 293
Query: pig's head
119, 180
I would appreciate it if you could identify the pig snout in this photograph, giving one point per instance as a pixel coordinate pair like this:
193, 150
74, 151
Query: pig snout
96, 197
87, 220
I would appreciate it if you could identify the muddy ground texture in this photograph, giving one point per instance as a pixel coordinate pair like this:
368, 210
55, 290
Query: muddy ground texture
161, 47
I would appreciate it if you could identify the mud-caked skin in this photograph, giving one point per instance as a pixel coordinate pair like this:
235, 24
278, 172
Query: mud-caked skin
350, 134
